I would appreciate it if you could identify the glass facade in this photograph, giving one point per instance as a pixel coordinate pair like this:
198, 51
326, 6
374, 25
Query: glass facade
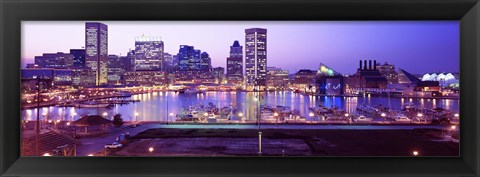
255, 58
96, 50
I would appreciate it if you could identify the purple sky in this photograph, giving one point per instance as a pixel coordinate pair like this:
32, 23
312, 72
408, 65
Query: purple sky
416, 46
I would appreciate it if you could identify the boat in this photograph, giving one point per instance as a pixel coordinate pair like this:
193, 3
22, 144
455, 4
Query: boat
92, 104
362, 119
124, 94
402, 118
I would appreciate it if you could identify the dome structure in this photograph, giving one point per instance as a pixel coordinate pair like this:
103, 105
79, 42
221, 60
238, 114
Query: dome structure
444, 79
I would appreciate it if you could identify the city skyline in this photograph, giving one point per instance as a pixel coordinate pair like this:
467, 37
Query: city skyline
433, 45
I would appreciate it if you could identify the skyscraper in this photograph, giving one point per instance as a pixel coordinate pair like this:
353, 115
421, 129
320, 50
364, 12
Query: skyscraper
255, 58
149, 53
96, 51
235, 64
190, 58
78, 57
185, 56
205, 61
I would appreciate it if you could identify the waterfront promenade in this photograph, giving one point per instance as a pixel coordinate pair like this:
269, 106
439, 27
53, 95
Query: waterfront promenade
95, 145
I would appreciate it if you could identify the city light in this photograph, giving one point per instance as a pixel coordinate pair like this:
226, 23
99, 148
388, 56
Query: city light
44, 114
415, 153
275, 114
90, 155
58, 121
68, 123
150, 149
205, 114
346, 114
136, 113
49, 121
105, 114
383, 114
47, 154
453, 127
419, 114
456, 115
171, 114
311, 114
240, 114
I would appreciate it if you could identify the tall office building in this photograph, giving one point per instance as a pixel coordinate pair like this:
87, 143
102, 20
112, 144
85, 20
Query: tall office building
255, 58
78, 57
185, 56
235, 64
149, 54
205, 61
190, 58
96, 51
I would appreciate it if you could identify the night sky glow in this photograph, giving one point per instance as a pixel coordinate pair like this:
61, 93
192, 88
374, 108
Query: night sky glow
416, 46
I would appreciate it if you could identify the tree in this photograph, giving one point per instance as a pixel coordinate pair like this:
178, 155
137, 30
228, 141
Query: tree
117, 120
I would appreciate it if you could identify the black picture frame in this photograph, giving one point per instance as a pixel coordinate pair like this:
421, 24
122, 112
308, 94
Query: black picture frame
14, 11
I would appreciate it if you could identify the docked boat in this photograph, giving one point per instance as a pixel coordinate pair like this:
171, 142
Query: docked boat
92, 104
125, 94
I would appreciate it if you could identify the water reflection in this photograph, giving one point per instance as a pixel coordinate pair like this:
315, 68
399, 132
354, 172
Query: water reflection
157, 106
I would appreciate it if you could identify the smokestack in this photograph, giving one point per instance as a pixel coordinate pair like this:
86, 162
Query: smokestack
364, 64
375, 64
369, 64
360, 68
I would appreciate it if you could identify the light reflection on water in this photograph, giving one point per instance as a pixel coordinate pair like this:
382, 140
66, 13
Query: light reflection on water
153, 106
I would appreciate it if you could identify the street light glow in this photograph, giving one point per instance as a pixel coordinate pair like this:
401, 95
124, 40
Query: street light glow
136, 113
105, 114
90, 155
419, 114
453, 127
47, 154
240, 114
275, 114
311, 114
383, 114
205, 114
456, 115
171, 114
415, 153
150, 149
346, 114
68, 123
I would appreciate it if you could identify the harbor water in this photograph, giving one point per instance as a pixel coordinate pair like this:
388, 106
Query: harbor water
158, 106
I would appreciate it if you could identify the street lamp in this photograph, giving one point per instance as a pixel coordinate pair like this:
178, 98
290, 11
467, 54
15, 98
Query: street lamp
171, 116
276, 116
136, 115
415, 153
47, 154
384, 116
73, 116
453, 127
150, 149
